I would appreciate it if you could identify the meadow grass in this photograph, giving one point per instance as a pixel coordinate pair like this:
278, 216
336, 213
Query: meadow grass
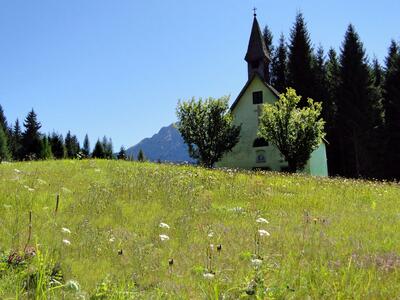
329, 238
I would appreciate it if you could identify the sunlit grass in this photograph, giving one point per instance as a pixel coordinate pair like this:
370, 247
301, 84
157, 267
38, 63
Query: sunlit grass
329, 238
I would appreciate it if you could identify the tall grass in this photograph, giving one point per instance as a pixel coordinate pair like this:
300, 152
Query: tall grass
329, 238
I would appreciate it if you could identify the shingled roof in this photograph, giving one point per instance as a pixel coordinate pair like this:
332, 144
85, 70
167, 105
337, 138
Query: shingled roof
256, 49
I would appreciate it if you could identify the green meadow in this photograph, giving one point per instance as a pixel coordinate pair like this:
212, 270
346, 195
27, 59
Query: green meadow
107, 235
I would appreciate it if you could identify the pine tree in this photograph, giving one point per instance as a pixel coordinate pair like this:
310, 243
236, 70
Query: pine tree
321, 81
279, 66
141, 156
98, 151
16, 141
300, 73
86, 146
71, 145
57, 145
3, 120
357, 112
122, 153
31, 138
391, 95
4, 152
46, 149
107, 147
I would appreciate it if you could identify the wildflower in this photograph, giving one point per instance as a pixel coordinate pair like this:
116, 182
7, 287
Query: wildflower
72, 285
262, 220
212, 247
211, 234
17, 171
7, 206
263, 232
164, 237
256, 262
66, 242
208, 275
31, 189
41, 181
112, 239
65, 230
65, 190
164, 225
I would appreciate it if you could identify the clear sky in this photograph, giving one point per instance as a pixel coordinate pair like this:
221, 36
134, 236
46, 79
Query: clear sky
119, 67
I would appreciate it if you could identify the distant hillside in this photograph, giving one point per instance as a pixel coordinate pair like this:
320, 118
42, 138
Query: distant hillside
166, 145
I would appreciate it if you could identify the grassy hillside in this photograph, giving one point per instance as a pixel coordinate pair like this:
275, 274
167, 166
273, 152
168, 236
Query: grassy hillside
329, 238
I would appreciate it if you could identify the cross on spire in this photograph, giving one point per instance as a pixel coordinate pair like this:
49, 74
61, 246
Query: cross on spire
255, 11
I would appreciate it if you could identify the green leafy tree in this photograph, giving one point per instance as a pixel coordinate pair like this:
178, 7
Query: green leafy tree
86, 146
207, 128
122, 153
98, 151
141, 157
279, 66
57, 145
391, 94
300, 72
31, 138
4, 152
296, 132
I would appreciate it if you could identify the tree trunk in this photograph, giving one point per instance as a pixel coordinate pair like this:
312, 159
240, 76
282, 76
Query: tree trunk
292, 166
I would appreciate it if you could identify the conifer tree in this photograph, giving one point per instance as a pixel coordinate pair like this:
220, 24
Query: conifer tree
279, 66
4, 152
268, 38
141, 156
86, 146
320, 83
391, 93
46, 149
57, 145
122, 153
16, 141
107, 147
98, 151
300, 73
357, 112
71, 145
31, 138
3, 120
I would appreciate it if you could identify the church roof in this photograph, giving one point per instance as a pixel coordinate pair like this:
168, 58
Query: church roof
256, 50
274, 91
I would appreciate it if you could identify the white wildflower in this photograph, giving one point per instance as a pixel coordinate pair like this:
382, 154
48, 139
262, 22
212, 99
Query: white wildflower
256, 262
66, 242
65, 190
7, 206
211, 234
31, 189
17, 171
164, 225
262, 220
72, 285
65, 230
97, 170
112, 239
164, 237
208, 275
41, 181
263, 232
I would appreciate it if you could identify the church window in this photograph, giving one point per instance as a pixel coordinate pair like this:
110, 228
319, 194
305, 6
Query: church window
260, 142
258, 97
260, 156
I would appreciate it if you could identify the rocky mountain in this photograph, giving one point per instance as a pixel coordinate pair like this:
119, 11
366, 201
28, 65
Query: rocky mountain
166, 145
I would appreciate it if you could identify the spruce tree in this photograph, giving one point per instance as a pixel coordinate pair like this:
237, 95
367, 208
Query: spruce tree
141, 156
391, 95
268, 38
98, 151
107, 147
357, 112
321, 81
71, 145
31, 138
3, 120
16, 141
86, 146
300, 73
4, 152
57, 145
279, 66
122, 153
46, 149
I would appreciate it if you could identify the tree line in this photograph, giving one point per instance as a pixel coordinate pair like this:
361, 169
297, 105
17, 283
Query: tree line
360, 98
28, 143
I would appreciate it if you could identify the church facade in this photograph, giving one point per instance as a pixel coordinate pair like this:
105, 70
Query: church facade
252, 152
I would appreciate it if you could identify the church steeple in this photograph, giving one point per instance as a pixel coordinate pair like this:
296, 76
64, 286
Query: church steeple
257, 55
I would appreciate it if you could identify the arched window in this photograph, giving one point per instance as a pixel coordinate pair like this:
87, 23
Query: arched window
260, 142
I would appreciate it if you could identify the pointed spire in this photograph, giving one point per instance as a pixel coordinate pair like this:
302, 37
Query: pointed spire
257, 55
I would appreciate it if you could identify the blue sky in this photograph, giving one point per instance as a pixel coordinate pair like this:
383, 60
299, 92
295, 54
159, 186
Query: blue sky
119, 67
